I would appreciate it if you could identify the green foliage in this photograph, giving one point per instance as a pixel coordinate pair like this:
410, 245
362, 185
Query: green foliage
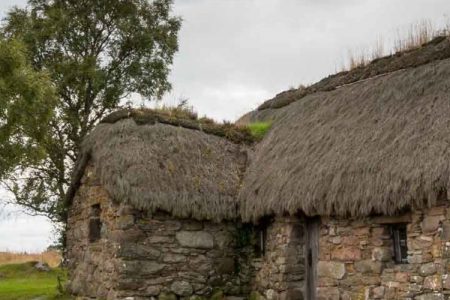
255, 296
217, 295
23, 281
95, 54
259, 129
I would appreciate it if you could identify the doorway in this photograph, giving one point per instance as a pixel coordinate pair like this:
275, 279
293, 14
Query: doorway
311, 255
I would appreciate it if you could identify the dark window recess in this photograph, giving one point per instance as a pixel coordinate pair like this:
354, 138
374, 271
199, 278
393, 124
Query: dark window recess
261, 237
95, 224
399, 237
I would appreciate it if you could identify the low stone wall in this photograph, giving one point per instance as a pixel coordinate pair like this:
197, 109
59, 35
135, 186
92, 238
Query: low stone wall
280, 272
356, 258
180, 257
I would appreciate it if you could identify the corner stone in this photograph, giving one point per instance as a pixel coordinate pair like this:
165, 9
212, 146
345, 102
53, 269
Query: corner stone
193, 239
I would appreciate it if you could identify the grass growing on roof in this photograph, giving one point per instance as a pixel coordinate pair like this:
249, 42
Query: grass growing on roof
23, 281
259, 129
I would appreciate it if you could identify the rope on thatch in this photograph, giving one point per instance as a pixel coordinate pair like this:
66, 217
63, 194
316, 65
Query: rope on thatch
377, 146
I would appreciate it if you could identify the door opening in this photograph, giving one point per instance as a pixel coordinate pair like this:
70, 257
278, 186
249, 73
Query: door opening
311, 256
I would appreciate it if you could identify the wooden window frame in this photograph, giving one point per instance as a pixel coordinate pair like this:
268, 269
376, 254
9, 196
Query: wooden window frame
400, 243
261, 241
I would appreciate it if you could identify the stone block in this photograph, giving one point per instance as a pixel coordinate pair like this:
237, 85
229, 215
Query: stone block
402, 277
368, 266
382, 254
195, 239
138, 251
127, 236
346, 254
431, 296
225, 265
181, 288
192, 225
433, 283
335, 270
292, 294
200, 263
446, 282
142, 268
416, 279
445, 234
378, 292
153, 290
125, 221
173, 258
328, 293
431, 223
427, 269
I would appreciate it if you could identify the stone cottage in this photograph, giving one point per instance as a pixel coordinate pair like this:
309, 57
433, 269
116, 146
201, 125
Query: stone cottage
154, 209
346, 196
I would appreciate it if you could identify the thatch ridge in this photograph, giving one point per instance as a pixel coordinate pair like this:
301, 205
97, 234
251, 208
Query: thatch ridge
156, 166
437, 49
376, 146
182, 118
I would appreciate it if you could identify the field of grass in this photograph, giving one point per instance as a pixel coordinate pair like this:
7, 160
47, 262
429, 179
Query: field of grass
52, 258
24, 282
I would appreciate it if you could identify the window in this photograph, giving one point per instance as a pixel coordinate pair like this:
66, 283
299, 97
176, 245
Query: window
95, 224
399, 237
261, 236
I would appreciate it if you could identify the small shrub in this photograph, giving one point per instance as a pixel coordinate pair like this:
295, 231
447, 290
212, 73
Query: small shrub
259, 129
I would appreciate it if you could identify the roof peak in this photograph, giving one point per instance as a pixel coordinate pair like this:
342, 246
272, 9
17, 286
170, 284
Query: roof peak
437, 49
182, 118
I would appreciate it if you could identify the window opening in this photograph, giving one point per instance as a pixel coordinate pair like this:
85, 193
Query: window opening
95, 224
399, 237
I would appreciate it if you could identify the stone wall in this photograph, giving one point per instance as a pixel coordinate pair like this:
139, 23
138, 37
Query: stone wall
144, 256
356, 258
280, 272
91, 265
180, 257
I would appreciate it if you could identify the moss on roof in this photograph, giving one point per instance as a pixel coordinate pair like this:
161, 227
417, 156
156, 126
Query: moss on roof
186, 119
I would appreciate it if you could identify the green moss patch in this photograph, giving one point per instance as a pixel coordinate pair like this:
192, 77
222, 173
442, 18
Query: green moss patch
259, 129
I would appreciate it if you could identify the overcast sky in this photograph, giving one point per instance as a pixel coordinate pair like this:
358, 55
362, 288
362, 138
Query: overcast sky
234, 54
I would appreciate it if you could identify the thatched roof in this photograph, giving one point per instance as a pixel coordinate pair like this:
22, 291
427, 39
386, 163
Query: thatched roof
437, 49
141, 158
376, 146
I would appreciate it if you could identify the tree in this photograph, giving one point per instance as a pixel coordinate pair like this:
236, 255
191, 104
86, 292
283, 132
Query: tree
96, 54
27, 100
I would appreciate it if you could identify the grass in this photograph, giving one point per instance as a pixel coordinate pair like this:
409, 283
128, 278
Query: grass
23, 281
259, 129
414, 37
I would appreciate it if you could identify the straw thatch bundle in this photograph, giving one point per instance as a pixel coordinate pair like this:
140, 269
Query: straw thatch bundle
155, 166
376, 146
